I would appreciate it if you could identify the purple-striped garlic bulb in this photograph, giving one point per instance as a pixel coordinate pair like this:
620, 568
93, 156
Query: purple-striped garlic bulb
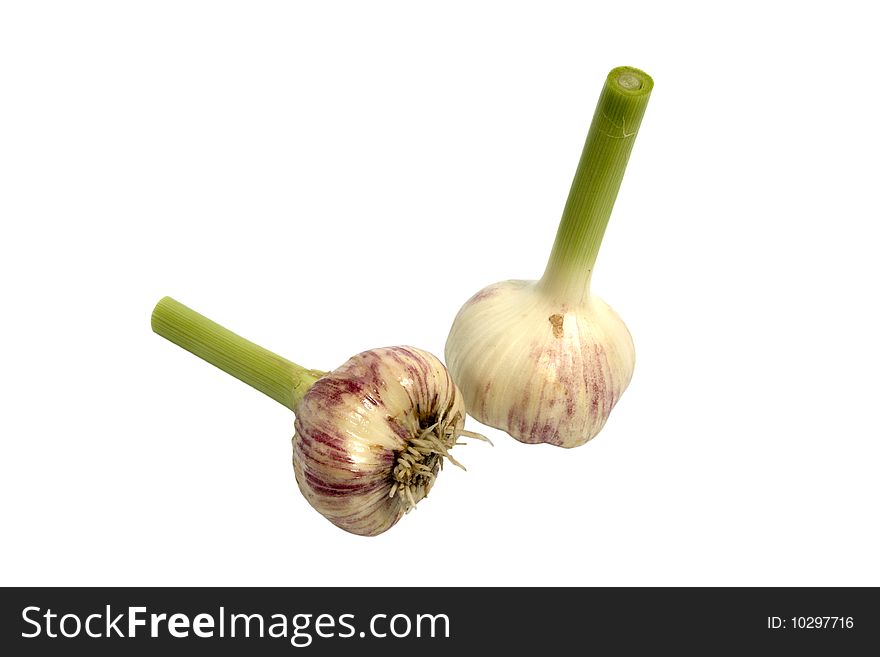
547, 360
372, 434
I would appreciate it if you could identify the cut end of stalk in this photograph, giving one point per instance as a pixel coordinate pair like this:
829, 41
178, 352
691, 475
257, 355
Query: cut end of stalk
630, 81
158, 311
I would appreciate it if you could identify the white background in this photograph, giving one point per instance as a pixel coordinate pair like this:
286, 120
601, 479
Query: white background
328, 177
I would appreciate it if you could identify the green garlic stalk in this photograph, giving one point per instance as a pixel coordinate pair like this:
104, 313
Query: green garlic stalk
370, 436
547, 360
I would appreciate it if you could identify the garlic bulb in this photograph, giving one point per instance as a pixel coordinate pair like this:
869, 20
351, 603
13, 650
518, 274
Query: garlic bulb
370, 436
537, 367
546, 360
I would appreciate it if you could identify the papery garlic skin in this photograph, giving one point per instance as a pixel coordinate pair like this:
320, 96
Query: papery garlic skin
543, 370
361, 453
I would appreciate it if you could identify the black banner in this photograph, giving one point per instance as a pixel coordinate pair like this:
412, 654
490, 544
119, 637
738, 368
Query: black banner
433, 621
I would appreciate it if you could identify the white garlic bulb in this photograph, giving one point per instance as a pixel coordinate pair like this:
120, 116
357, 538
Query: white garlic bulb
546, 360
541, 369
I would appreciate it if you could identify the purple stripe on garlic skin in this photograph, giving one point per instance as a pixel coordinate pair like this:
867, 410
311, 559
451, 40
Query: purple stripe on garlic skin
361, 453
543, 370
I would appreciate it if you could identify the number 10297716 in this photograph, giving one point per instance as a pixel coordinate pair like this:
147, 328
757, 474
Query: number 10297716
810, 623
